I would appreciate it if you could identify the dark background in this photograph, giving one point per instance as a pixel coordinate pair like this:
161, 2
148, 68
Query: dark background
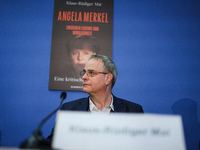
156, 47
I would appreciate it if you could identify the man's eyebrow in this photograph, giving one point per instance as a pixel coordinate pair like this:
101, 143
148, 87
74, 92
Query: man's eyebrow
89, 70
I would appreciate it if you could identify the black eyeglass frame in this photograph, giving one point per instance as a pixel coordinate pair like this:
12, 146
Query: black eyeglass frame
91, 73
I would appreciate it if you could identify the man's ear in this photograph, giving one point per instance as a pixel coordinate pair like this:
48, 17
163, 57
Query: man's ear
109, 78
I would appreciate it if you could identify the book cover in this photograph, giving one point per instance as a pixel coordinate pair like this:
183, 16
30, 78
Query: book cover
80, 29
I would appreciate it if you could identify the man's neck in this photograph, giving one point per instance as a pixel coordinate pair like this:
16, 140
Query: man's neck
101, 100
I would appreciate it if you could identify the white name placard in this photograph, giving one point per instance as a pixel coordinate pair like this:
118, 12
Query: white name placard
117, 131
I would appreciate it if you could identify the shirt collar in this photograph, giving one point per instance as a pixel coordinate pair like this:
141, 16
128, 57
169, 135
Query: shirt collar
93, 107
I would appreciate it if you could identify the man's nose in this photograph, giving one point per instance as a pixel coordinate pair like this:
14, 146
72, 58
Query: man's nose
85, 76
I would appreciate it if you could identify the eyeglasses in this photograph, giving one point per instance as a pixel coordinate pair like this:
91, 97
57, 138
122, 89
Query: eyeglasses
90, 73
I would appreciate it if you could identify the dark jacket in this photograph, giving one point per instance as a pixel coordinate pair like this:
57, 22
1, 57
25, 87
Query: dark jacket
120, 106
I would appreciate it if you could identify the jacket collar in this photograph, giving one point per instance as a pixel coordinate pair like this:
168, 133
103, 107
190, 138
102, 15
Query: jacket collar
119, 106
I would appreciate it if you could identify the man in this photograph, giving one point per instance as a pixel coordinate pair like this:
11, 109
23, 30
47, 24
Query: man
99, 76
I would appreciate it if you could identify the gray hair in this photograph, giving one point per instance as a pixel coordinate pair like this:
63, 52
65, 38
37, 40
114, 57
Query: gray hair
108, 65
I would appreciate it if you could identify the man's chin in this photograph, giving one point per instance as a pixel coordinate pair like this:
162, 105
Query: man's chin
85, 90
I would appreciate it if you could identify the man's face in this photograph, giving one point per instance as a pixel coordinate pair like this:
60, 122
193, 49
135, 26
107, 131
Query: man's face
97, 83
80, 57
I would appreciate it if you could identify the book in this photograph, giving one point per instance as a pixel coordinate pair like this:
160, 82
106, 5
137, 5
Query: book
80, 29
